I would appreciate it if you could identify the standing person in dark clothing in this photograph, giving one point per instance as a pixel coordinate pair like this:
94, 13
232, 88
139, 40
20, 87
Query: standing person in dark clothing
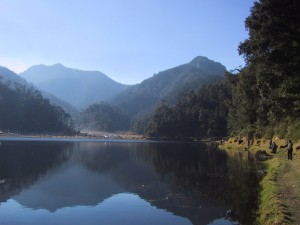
290, 149
270, 144
273, 147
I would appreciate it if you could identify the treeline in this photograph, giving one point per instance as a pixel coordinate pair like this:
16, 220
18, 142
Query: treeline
261, 99
201, 114
23, 109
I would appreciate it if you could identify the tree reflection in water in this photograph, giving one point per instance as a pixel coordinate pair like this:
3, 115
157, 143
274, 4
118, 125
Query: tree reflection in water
191, 180
206, 176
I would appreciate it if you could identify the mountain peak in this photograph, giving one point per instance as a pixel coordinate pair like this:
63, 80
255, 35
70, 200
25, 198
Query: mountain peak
207, 65
200, 59
59, 65
77, 87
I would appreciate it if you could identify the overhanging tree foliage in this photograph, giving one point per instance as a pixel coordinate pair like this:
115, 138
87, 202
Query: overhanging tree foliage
273, 49
266, 92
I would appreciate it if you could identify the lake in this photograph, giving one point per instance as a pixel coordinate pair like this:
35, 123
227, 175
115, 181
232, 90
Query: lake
124, 183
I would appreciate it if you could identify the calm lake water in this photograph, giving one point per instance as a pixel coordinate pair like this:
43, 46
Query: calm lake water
124, 183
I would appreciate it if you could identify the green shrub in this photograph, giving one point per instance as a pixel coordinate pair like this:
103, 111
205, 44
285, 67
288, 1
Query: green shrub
293, 130
269, 133
281, 129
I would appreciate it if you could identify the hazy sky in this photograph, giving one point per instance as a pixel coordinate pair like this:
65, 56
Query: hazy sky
128, 40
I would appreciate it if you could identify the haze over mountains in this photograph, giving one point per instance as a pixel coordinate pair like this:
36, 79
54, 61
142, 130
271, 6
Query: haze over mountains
9, 76
77, 87
107, 105
137, 104
83, 88
169, 84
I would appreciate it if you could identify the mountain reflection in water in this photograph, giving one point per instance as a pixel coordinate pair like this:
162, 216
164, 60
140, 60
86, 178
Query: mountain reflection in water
124, 183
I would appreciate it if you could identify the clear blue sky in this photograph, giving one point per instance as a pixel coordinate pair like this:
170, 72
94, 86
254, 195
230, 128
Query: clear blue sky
128, 40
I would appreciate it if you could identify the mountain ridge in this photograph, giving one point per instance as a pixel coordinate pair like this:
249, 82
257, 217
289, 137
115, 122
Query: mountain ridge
11, 77
169, 84
84, 89
78, 87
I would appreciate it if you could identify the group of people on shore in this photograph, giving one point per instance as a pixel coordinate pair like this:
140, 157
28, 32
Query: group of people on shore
289, 146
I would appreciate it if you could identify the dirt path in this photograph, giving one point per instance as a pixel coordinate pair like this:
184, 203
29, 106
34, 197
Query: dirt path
289, 183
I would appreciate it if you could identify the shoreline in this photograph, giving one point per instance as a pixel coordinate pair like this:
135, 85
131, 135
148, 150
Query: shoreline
81, 136
101, 136
279, 188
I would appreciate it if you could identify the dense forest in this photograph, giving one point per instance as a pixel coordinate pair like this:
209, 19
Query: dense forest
261, 99
201, 114
266, 97
23, 109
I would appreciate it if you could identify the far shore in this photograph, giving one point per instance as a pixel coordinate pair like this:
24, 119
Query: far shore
100, 135
81, 135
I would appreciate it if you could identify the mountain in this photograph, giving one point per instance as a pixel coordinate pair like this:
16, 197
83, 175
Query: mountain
23, 108
168, 85
9, 77
77, 87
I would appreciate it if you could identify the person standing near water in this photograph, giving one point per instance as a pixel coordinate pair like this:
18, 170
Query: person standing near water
273, 147
290, 149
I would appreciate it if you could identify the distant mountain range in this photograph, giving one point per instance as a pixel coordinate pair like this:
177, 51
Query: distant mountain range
9, 76
168, 85
77, 87
81, 89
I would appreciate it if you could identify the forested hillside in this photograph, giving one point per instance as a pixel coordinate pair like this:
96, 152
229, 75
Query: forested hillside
201, 114
10, 77
23, 109
132, 108
168, 85
260, 100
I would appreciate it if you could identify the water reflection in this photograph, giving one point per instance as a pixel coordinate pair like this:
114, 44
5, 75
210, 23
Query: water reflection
171, 183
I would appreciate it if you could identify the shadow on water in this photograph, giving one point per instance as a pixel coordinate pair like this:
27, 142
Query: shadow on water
191, 180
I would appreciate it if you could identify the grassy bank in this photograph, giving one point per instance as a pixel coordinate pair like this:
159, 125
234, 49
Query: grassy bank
271, 208
279, 195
